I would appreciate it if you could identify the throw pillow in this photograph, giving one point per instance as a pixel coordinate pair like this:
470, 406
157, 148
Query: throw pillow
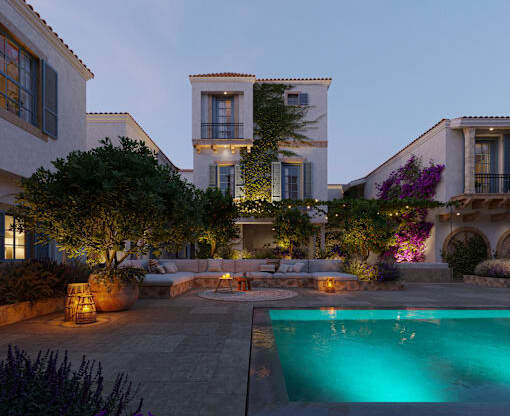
170, 267
267, 268
155, 267
284, 268
298, 267
136, 264
213, 265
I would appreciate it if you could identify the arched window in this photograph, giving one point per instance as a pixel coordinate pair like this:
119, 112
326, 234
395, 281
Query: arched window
463, 235
503, 248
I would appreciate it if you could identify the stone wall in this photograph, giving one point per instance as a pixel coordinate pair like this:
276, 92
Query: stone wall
486, 281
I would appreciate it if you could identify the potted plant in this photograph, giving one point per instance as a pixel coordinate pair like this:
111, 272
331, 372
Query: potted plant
107, 204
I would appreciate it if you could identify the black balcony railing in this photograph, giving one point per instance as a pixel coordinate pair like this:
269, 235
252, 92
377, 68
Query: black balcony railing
222, 131
492, 183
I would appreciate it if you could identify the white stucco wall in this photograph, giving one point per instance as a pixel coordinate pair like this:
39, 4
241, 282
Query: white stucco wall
22, 152
207, 157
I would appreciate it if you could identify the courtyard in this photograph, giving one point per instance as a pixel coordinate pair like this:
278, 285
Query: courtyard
191, 356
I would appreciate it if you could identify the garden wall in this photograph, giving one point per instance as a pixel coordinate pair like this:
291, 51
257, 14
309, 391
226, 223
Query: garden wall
16, 312
425, 272
486, 281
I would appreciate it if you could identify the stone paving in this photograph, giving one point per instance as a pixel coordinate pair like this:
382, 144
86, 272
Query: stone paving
191, 355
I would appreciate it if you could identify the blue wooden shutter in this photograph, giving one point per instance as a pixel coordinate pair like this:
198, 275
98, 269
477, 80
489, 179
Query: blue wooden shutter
238, 182
213, 176
49, 100
303, 98
276, 181
2, 231
506, 162
307, 172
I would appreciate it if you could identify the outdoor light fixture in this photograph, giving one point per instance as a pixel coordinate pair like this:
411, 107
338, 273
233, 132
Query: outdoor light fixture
225, 92
458, 213
330, 286
74, 291
492, 128
85, 310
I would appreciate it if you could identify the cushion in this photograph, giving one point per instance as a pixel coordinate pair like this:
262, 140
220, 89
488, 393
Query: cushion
267, 268
213, 265
166, 279
248, 265
155, 267
228, 266
284, 268
333, 275
138, 264
259, 275
301, 275
170, 267
187, 265
297, 268
319, 265
209, 275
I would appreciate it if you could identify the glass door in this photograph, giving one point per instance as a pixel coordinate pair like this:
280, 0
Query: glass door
224, 117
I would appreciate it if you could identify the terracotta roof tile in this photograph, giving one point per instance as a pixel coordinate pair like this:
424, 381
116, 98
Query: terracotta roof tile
294, 79
485, 117
223, 74
31, 8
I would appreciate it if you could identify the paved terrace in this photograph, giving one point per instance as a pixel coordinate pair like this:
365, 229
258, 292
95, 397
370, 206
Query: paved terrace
192, 355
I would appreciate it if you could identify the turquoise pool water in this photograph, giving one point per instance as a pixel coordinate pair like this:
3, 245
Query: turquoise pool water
394, 355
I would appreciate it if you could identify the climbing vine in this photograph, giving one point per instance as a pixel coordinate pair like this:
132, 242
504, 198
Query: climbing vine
274, 123
411, 181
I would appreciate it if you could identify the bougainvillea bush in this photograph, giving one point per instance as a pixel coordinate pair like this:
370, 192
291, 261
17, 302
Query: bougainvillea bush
48, 386
411, 181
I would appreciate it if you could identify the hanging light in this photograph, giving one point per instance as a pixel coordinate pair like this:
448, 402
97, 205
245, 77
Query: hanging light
85, 310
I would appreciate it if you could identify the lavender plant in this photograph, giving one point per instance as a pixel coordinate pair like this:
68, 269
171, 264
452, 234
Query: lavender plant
48, 386
494, 268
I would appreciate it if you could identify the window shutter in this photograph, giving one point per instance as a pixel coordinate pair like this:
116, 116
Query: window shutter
493, 182
276, 181
238, 182
2, 231
307, 172
506, 158
213, 176
50, 100
303, 98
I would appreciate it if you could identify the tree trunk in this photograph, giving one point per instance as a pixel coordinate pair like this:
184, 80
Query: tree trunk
213, 248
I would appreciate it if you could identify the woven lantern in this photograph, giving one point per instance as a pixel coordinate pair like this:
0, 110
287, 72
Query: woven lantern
330, 286
85, 310
74, 290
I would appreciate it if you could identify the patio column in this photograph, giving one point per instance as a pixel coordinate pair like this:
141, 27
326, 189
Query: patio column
469, 160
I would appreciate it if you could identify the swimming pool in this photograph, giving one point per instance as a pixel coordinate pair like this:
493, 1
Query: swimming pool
388, 355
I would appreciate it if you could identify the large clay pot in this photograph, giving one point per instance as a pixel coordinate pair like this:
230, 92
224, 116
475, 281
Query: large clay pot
112, 296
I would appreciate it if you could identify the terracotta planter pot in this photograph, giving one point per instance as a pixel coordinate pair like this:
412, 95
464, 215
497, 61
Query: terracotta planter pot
112, 297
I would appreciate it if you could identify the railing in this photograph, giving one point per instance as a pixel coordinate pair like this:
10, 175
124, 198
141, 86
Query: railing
221, 131
492, 183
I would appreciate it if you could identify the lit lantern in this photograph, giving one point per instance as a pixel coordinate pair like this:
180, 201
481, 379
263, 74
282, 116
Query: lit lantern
330, 286
74, 290
85, 310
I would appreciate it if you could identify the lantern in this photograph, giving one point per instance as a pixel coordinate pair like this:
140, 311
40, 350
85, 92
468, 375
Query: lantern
85, 309
74, 290
330, 285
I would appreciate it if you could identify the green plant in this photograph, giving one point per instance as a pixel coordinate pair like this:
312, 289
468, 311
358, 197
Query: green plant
494, 268
292, 228
48, 386
219, 214
362, 270
274, 123
38, 279
110, 202
463, 256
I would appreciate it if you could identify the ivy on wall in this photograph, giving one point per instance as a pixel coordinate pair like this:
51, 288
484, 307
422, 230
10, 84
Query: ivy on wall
274, 124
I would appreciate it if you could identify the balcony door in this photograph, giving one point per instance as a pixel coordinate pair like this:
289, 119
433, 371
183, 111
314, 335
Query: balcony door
223, 117
486, 178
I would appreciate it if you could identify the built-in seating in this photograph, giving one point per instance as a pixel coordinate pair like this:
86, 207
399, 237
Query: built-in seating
193, 273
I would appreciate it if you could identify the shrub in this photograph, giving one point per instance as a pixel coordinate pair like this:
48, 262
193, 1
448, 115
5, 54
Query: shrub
292, 229
48, 386
388, 271
466, 255
494, 268
38, 279
362, 270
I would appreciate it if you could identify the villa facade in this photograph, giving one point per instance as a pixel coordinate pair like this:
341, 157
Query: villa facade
222, 125
476, 155
42, 111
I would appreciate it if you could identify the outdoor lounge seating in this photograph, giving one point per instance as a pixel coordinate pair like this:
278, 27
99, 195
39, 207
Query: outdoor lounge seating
194, 273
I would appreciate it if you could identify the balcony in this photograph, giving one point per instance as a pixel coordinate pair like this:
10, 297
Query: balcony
492, 183
222, 131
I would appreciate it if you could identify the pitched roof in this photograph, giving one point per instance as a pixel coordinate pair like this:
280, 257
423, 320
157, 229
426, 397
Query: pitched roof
222, 74
32, 10
294, 79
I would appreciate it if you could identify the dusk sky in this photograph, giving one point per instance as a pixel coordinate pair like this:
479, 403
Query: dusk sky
398, 67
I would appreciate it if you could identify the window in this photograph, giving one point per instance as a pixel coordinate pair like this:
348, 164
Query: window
14, 240
483, 157
226, 181
224, 118
297, 98
18, 84
290, 179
